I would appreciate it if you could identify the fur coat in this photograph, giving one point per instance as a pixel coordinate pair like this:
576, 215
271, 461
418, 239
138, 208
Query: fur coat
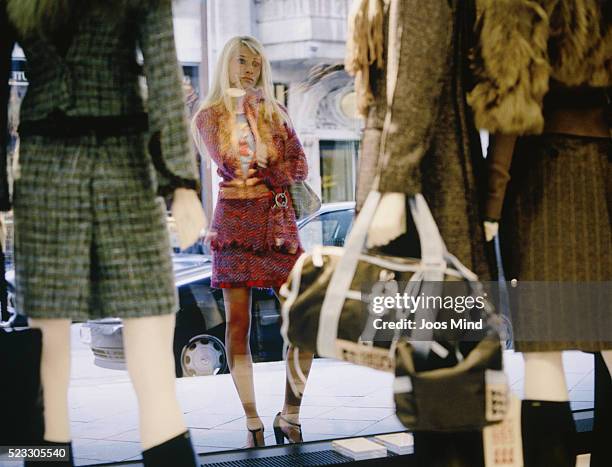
525, 45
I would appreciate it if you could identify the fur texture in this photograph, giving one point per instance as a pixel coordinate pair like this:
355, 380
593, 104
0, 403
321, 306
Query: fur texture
263, 131
29, 16
525, 43
364, 47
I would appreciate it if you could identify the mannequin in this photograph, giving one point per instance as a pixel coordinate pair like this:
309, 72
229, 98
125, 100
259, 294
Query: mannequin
90, 234
546, 116
409, 59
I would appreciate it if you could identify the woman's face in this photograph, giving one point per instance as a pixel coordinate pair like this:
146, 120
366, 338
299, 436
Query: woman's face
244, 68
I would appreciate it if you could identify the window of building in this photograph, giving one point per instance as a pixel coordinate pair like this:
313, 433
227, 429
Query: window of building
338, 166
280, 93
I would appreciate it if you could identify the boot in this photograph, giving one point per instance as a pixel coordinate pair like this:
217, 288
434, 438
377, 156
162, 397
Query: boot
549, 434
459, 449
602, 424
177, 452
51, 445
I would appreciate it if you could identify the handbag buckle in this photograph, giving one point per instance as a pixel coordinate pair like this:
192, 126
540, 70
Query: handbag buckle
281, 200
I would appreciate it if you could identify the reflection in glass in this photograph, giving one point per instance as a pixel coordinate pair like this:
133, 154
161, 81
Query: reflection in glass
338, 165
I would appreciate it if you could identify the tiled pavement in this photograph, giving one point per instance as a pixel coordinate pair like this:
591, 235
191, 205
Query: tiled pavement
340, 400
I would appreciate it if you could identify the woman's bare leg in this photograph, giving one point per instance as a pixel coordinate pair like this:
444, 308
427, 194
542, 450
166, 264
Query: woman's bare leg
237, 334
293, 401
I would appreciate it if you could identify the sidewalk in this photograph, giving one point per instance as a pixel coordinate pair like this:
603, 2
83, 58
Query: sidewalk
341, 400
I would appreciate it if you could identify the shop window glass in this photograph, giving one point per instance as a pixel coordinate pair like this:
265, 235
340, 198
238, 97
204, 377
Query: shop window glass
338, 166
328, 229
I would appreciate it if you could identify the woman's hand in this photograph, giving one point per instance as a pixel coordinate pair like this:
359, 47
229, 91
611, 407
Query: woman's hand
389, 220
261, 155
188, 216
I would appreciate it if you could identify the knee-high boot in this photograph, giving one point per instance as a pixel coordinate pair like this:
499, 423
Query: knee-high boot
548, 432
602, 425
460, 449
177, 452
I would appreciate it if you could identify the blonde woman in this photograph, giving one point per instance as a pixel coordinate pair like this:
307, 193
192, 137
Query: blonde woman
254, 233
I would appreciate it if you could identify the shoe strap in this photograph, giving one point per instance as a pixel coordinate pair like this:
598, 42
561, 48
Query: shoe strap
288, 421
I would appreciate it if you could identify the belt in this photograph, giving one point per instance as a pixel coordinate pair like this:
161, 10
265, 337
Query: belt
583, 97
60, 125
280, 195
244, 192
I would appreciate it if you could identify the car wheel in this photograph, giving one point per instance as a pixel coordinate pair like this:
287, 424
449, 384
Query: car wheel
204, 355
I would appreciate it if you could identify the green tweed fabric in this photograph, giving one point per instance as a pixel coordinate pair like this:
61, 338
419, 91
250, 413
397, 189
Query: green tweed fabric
98, 75
90, 235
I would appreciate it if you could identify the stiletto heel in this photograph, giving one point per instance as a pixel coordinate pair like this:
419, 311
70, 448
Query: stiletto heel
280, 435
254, 433
256, 443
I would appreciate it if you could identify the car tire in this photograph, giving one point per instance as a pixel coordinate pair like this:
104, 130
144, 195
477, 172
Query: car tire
204, 355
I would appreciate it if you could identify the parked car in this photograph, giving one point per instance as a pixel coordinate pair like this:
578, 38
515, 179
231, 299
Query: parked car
199, 333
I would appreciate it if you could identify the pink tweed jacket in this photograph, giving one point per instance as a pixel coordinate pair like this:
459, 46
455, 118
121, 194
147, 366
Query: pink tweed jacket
254, 222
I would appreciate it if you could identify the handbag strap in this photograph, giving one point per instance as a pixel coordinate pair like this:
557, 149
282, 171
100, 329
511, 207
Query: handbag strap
433, 249
433, 264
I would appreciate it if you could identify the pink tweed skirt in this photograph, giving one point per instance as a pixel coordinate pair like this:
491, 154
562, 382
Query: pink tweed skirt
235, 267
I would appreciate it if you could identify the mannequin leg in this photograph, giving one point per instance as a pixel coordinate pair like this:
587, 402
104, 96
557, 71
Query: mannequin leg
602, 424
547, 424
293, 402
237, 336
544, 377
607, 357
55, 376
150, 362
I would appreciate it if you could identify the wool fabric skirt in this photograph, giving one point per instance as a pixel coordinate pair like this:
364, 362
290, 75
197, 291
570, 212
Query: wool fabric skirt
245, 248
90, 234
235, 267
555, 227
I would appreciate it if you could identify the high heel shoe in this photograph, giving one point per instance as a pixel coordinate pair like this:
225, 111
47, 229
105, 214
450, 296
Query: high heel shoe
280, 435
254, 433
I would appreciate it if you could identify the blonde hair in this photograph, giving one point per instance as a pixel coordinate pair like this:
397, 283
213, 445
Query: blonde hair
221, 82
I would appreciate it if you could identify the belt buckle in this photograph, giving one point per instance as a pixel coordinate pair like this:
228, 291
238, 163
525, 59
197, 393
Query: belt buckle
281, 200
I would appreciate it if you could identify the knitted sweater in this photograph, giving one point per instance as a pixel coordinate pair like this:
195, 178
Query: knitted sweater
254, 222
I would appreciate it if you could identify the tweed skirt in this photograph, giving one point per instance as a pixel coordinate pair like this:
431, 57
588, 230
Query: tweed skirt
235, 267
555, 227
90, 235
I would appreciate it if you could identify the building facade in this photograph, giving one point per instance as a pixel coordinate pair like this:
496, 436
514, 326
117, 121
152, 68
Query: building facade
301, 37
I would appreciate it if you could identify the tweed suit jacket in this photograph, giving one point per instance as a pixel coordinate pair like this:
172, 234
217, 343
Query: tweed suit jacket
98, 74
420, 136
